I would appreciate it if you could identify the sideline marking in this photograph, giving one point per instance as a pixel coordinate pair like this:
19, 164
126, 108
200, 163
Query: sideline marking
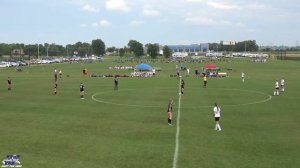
188, 107
175, 158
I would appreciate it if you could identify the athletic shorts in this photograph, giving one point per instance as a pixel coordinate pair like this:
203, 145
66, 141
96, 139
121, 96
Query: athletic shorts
217, 118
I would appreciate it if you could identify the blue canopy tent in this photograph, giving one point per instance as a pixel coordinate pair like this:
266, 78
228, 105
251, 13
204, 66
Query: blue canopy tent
143, 67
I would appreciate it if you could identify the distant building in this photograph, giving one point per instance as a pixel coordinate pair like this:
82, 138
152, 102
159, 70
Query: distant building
193, 48
17, 52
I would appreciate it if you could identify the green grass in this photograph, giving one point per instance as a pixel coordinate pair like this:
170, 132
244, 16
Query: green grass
130, 130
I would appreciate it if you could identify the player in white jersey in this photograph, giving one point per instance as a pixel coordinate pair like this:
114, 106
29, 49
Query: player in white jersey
217, 115
276, 91
243, 77
282, 84
187, 72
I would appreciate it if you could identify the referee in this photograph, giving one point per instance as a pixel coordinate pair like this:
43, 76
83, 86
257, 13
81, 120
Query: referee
204, 81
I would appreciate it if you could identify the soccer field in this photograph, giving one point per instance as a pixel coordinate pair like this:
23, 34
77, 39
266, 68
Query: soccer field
128, 128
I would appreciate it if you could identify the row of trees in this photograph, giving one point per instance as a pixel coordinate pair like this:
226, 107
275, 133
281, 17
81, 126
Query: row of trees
243, 46
137, 49
97, 47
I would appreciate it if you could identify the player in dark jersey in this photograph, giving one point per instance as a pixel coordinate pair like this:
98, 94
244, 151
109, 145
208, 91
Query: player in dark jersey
116, 83
170, 111
55, 75
81, 89
182, 86
177, 74
55, 87
9, 83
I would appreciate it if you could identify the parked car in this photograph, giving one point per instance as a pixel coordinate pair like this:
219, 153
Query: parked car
4, 64
22, 63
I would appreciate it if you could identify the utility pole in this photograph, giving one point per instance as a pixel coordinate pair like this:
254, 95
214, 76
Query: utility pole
47, 50
38, 51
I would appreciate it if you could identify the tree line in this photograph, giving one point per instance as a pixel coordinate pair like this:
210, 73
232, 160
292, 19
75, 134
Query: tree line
243, 46
97, 47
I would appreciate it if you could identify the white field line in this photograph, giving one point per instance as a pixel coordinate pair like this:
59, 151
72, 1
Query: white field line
175, 158
186, 107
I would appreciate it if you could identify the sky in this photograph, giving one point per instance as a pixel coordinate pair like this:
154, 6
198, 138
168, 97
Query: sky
167, 22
